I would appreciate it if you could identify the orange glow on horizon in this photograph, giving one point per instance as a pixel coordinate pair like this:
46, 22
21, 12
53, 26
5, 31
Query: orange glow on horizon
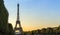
34, 25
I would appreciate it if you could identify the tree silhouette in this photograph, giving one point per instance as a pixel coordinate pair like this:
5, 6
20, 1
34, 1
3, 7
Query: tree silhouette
43, 31
5, 28
3, 18
11, 31
46, 31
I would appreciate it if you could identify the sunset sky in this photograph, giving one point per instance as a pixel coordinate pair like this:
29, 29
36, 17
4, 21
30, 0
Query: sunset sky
34, 14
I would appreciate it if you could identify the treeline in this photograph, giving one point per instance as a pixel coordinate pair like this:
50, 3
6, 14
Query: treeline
45, 31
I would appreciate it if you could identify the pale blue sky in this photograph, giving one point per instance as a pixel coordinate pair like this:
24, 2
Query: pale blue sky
35, 13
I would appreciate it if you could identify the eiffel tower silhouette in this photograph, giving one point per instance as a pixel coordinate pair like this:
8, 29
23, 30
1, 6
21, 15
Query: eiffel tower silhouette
18, 23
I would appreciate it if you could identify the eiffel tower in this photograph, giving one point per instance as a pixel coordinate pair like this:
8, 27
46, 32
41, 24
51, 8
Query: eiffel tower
18, 23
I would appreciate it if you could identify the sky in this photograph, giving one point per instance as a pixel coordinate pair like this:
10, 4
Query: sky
34, 14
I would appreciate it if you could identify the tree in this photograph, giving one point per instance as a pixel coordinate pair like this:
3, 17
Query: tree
39, 31
58, 29
11, 31
3, 18
49, 30
43, 31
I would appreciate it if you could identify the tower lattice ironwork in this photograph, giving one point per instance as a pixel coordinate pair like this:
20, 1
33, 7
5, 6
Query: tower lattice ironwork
18, 23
